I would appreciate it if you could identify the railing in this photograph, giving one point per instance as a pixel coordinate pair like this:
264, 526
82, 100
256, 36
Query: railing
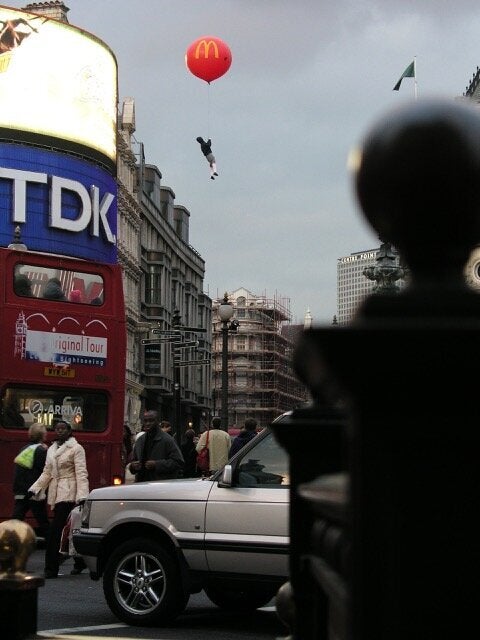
385, 541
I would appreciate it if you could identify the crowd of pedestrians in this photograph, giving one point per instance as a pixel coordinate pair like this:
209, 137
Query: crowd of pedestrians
57, 476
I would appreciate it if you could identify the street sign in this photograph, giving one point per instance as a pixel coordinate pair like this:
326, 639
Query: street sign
166, 332
159, 340
186, 363
196, 329
185, 345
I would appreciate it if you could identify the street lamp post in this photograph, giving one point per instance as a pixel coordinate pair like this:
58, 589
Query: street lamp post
176, 382
225, 313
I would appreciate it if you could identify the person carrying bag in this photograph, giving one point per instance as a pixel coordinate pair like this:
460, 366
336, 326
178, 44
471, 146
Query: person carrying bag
217, 442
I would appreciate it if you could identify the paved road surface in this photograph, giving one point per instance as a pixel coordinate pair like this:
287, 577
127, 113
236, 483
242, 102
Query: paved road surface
75, 605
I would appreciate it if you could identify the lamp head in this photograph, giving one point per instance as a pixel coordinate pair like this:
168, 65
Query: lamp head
225, 310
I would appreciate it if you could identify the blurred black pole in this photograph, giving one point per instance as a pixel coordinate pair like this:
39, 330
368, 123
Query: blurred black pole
225, 313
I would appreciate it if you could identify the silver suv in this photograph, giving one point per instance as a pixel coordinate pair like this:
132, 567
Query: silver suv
155, 543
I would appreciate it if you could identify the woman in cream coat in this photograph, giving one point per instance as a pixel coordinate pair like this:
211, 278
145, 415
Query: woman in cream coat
65, 478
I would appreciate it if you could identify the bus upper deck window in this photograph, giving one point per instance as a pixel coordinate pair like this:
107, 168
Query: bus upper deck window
61, 285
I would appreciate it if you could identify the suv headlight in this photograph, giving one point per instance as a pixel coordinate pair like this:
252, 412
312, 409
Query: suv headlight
87, 507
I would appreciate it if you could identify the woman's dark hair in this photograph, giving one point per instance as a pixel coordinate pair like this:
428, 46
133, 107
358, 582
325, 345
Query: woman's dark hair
69, 426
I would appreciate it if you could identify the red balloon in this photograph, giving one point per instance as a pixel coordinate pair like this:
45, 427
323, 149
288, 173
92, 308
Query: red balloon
208, 58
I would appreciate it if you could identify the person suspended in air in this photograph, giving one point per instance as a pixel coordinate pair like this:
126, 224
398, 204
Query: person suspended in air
206, 148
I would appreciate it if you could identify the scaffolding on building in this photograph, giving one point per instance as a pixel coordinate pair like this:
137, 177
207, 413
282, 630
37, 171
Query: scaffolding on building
261, 381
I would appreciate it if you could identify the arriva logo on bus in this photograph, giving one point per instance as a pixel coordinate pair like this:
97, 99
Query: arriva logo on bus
93, 211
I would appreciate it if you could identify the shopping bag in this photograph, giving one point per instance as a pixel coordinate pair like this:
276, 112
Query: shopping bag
71, 526
64, 540
203, 458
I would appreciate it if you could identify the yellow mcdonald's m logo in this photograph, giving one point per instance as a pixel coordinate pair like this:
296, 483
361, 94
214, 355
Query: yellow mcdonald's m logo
206, 48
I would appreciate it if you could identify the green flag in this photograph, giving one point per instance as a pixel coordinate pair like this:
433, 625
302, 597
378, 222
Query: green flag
408, 73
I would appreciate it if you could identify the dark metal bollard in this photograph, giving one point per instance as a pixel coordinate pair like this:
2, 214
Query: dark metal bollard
407, 366
18, 590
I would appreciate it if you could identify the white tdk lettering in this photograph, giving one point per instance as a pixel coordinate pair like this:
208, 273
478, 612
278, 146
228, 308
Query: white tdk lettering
20, 179
100, 210
92, 210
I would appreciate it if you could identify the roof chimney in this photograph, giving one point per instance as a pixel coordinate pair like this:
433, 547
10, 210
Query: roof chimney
54, 9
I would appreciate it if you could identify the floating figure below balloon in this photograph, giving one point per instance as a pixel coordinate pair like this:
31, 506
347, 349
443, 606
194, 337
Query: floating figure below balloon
206, 148
208, 58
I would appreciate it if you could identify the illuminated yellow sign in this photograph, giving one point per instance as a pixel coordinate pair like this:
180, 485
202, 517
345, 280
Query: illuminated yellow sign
57, 80
59, 372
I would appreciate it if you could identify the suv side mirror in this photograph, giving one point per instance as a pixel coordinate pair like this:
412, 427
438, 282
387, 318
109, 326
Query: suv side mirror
226, 478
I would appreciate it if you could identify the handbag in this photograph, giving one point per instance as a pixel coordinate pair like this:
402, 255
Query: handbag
72, 526
203, 457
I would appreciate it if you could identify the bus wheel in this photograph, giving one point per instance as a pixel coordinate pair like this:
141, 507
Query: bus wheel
142, 584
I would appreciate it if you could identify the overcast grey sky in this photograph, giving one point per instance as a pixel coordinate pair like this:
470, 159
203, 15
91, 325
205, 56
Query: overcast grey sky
308, 78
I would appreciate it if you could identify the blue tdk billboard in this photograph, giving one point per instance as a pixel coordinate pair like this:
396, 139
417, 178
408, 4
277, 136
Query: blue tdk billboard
62, 203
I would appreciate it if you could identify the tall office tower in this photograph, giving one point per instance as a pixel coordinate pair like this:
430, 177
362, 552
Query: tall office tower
352, 285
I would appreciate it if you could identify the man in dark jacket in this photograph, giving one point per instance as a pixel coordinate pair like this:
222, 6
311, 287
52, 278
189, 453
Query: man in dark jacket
156, 455
248, 432
29, 465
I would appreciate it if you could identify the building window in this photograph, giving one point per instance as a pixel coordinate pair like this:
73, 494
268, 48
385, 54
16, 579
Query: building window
240, 343
153, 285
240, 379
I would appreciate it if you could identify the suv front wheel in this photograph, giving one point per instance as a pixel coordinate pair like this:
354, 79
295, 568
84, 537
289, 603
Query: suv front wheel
142, 584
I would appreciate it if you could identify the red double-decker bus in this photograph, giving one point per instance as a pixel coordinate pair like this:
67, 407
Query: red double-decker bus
63, 343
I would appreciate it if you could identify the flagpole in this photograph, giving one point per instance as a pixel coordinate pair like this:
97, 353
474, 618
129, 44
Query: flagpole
415, 77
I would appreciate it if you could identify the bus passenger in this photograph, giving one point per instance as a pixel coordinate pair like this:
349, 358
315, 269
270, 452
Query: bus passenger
75, 295
22, 286
53, 290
